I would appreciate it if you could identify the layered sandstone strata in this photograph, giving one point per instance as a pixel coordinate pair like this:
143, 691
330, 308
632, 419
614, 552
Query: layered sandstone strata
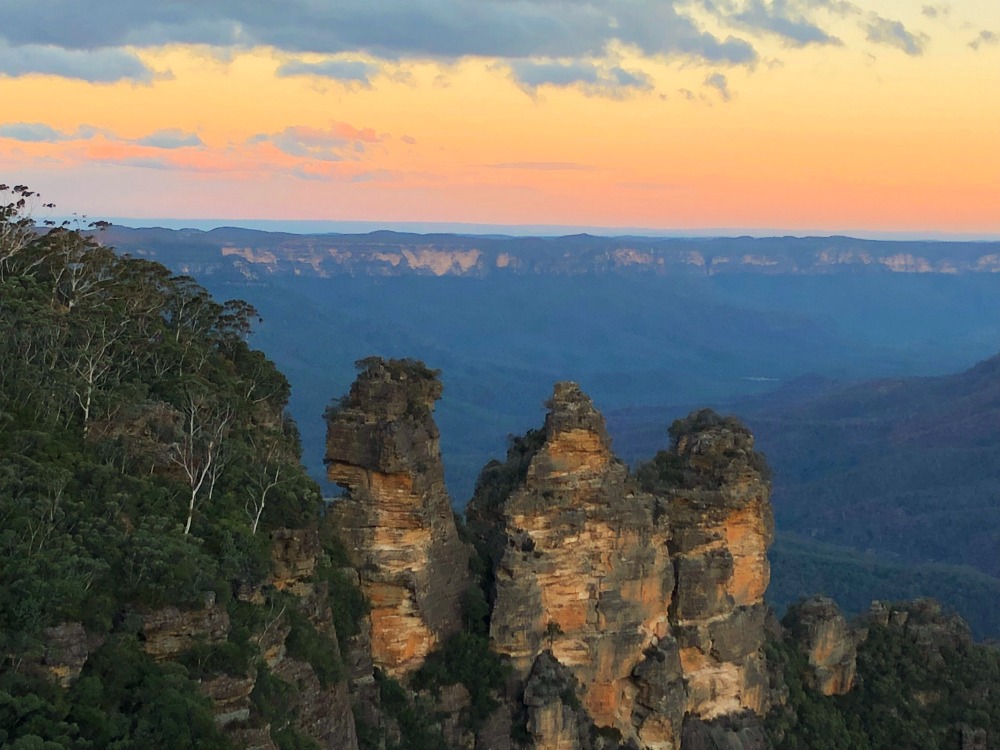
383, 447
583, 573
649, 593
717, 494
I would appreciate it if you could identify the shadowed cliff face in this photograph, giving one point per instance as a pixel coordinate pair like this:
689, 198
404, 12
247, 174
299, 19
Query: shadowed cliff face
383, 447
716, 491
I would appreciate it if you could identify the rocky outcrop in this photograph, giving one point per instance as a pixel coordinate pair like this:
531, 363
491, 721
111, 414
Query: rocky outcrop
739, 731
321, 706
818, 629
169, 631
294, 555
581, 564
923, 622
649, 593
383, 447
555, 720
717, 495
67, 648
661, 700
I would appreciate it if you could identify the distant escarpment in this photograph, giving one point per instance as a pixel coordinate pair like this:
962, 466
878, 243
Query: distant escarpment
258, 254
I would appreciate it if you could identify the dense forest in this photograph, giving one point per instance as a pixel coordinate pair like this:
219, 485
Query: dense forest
144, 454
921, 683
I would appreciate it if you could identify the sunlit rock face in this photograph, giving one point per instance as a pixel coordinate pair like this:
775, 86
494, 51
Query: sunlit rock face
649, 593
820, 631
383, 447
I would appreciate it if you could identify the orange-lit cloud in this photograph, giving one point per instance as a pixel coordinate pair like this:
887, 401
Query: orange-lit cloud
793, 114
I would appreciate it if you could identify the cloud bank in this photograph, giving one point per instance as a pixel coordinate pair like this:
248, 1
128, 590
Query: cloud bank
388, 29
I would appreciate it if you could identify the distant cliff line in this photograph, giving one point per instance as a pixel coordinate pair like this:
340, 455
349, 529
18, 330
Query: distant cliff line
256, 254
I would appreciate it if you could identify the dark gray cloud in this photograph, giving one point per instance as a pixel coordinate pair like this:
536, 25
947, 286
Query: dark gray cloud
170, 139
893, 33
783, 19
34, 132
592, 78
985, 39
389, 29
93, 65
720, 83
936, 11
38, 132
339, 142
348, 71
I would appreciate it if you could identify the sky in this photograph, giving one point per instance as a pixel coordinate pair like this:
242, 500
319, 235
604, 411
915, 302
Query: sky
795, 116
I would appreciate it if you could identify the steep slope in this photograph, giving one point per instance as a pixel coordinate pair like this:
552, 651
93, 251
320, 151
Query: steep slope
163, 584
717, 492
904, 468
582, 567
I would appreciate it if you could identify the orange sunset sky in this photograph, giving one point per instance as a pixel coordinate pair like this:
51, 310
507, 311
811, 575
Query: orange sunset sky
783, 115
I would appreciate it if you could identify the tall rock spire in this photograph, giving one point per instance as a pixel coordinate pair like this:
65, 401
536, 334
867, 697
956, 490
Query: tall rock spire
582, 567
396, 518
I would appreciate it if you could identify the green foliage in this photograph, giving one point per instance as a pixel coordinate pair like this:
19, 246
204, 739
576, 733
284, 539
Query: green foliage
810, 721
140, 434
307, 644
144, 456
347, 604
497, 480
918, 687
801, 567
123, 699
398, 368
416, 728
726, 438
369, 737
466, 658
274, 701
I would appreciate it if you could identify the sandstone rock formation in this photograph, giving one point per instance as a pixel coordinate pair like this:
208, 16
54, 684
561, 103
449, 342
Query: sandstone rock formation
653, 600
383, 447
717, 495
583, 568
67, 648
169, 631
819, 630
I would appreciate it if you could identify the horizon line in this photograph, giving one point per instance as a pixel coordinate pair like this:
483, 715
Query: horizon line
340, 226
